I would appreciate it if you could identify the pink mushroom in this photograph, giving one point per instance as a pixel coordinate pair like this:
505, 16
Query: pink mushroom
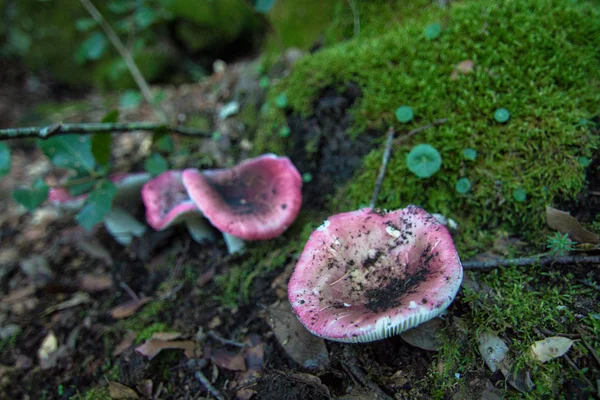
167, 203
257, 199
366, 275
118, 222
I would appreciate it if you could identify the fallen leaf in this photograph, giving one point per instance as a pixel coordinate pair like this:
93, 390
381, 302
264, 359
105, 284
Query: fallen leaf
552, 347
128, 309
152, 347
77, 299
206, 277
424, 336
125, 343
565, 223
94, 283
492, 349
17, 295
464, 67
302, 346
49, 345
117, 390
166, 335
228, 360
495, 354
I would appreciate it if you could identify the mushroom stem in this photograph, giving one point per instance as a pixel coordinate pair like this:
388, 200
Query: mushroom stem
199, 228
234, 243
122, 226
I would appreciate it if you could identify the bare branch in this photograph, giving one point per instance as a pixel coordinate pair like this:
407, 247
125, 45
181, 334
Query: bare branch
524, 261
61, 129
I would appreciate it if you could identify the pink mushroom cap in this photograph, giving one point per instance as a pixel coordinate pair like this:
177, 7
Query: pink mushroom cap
127, 185
257, 199
166, 200
367, 275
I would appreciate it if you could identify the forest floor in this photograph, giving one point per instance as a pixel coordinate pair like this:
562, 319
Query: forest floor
81, 317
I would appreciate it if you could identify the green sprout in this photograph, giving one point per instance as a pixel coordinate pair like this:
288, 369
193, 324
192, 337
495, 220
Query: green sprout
502, 115
559, 245
463, 185
404, 114
284, 131
281, 101
433, 31
584, 161
470, 154
424, 160
520, 195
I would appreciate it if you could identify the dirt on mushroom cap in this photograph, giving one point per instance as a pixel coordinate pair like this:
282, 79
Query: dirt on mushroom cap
365, 275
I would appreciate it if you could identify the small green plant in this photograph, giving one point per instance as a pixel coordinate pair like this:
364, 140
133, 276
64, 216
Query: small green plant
559, 245
470, 154
281, 101
424, 160
404, 114
433, 31
463, 185
520, 195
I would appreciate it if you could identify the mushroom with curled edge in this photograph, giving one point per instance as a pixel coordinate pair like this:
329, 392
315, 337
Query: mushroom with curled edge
366, 275
167, 203
257, 199
118, 222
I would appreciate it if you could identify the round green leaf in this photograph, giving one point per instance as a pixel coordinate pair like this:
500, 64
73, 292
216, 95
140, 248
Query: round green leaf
470, 154
156, 164
502, 115
463, 185
520, 195
130, 99
264, 6
281, 101
97, 205
404, 114
433, 31
94, 47
4, 159
284, 132
584, 161
32, 198
307, 177
424, 160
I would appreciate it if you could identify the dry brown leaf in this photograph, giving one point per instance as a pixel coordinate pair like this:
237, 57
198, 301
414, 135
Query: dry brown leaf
550, 348
166, 335
17, 295
424, 336
302, 346
565, 223
49, 345
93, 283
128, 309
228, 360
117, 390
464, 67
152, 347
77, 299
125, 343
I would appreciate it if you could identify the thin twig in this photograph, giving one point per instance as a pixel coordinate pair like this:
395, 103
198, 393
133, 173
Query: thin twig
126, 55
61, 129
524, 261
356, 16
222, 340
420, 129
384, 163
590, 284
206, 383
129, 291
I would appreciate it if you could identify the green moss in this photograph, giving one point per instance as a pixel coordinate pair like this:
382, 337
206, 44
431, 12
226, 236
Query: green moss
262, 258
146, 333
545, 70
145, 318
518, 305
93, 394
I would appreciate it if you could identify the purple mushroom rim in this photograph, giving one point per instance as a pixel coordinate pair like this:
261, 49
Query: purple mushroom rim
255, 200
366, 275
167, 201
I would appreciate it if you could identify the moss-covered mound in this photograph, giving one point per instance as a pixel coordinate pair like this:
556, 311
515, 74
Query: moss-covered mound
536, 58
